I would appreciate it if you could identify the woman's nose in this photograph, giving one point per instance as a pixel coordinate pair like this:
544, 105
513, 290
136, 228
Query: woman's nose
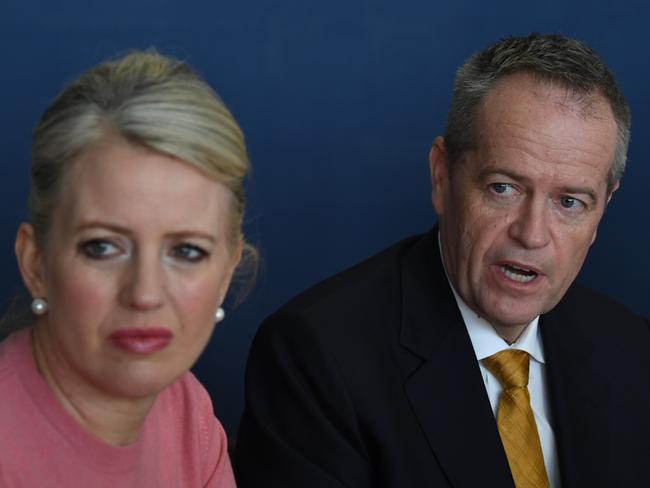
143, 285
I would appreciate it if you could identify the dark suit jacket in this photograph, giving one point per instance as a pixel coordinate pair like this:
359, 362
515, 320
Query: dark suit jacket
369, 379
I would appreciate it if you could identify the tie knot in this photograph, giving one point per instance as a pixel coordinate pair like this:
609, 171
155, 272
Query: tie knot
510, 367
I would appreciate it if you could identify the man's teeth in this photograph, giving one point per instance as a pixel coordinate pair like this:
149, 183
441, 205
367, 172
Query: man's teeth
521, 275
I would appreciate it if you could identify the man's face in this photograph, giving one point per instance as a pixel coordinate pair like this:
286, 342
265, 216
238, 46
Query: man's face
519, 212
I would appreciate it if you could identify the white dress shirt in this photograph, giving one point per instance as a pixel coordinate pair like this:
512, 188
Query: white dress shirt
487, 342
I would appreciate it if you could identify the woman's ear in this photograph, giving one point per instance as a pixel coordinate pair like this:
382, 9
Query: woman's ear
30, 261
235, 259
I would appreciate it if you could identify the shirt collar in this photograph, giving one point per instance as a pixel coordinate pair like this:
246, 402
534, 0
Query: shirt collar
485, 339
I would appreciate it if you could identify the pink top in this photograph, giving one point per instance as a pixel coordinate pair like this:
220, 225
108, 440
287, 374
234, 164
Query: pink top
181, 444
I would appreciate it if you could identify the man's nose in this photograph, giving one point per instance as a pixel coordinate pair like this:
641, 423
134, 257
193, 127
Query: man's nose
143, 286
531, 226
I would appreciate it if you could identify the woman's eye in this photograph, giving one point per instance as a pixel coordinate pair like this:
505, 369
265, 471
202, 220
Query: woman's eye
189, 252
99, 249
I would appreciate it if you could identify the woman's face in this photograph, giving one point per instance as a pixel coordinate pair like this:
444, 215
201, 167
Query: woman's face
135, 266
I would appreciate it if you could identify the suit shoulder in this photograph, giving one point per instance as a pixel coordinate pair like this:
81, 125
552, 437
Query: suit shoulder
602, 312
376, 273
351, 298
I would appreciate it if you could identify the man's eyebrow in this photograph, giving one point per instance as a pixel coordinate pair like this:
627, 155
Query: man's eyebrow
581, 190
509, 173
491, 171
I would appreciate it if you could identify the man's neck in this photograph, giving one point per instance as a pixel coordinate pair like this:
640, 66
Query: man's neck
509, 333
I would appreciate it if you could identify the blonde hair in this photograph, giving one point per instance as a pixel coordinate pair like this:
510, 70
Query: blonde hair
149, 100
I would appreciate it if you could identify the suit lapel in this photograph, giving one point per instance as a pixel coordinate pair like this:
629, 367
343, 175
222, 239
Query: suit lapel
447, 392
578, 399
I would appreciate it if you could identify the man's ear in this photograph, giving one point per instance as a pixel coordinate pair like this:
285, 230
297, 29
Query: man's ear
609, 197
611, 192
30, 261
439, 173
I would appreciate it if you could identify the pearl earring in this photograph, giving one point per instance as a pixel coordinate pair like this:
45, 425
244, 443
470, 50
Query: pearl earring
220, 315
39, 306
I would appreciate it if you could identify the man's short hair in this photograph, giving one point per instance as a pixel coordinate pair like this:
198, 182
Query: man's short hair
551, 58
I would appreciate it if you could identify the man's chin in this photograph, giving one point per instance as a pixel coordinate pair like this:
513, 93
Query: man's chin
506, 310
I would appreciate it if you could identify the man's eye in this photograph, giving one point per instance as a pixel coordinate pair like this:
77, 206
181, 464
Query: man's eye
189, 252
571, 203
502, 188
99, 249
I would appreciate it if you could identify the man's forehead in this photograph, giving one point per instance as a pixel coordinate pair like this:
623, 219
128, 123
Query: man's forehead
527, 121
587, 103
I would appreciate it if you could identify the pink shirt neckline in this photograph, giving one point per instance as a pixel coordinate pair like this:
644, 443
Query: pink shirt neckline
102, 455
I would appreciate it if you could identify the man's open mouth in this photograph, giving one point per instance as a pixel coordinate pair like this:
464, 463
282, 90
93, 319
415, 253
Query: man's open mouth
515, 273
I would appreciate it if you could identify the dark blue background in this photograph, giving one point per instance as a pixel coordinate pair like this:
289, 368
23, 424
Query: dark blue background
340, 101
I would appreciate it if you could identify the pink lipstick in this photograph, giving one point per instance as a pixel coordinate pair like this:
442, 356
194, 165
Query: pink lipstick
141, 340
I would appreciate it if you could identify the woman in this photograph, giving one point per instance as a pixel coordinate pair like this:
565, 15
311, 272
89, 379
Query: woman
135, 231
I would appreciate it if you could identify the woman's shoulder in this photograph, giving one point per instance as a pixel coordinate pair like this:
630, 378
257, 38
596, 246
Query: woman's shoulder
186, 393
15, 355
184, 410
5, 365
189, 405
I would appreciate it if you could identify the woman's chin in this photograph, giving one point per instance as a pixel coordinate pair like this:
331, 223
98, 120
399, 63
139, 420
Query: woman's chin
139, 382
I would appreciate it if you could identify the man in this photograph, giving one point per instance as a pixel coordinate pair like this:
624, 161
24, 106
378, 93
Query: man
399, 372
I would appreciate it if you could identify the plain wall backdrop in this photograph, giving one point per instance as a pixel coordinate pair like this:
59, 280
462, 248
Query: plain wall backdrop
339, 101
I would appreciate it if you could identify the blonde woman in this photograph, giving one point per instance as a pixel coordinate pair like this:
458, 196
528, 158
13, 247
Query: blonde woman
134, 234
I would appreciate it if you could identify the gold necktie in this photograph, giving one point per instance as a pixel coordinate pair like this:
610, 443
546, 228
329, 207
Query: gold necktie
515, 419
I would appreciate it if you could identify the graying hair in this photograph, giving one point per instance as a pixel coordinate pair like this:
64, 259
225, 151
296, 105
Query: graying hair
550, 58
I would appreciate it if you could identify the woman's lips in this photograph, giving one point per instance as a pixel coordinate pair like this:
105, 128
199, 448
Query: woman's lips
141, 340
